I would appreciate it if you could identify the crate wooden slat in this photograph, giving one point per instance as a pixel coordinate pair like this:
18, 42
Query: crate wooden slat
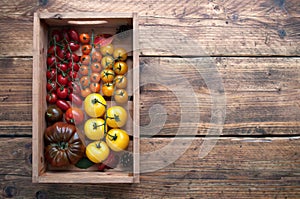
44, 22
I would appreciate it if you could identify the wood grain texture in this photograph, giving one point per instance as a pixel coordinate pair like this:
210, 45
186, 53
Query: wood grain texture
262, 95
234, 168
269, 27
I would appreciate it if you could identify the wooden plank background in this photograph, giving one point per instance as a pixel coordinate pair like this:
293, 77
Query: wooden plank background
255, 46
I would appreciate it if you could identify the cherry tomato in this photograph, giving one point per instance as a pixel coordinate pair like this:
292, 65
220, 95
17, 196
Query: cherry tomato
116, 117
52, 50
74, 115
95, 87
85, 59
73, 46
96, 67
51, 61
73, 75
85, 92
84, 38
72, 55
62, 79
51, 98
65, 35
120, 81
120, 54
95, 77
84, 81
60, 53
56, 35
73, 35
62, 67
107, 75
107, 62
121, 96
120, 68
107, 50
73, 66
63, 105
117, 139
51, 74
51, 85
96, 56
95, 128
108, 89
84, 70
97, 151
74, 87
86, 49
62, 92
94, 105
75, 99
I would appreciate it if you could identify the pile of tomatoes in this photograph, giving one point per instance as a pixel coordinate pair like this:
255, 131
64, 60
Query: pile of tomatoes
83, 70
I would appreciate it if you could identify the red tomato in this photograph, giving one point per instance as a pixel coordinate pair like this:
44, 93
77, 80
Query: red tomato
62, 67
56, 34
51, 74
73, 46
73, 66
74, 116
60, 53
62, 92
51, 61
51, 98
51, 85
75, 99
65, 35
62, 79
73, 74
62, 104
73, 34
71, 56
74, 87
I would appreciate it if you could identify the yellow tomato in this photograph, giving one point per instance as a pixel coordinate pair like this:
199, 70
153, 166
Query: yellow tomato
107, 50
107, 75
120, 68
94, 128
117, 139
116, 117
97, 151
120, 54
120, 81
121, 96
108, 89
107, 62
94, 105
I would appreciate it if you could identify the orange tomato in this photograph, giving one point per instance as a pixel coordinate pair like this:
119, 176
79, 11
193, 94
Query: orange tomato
95, 87
96, 56
86, 49
84, 70
95, 77
84, 81
85, 92
96, 67
84, 38
108, 89
85, 59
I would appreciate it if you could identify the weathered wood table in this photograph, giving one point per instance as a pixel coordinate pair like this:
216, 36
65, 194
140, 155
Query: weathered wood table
254, 46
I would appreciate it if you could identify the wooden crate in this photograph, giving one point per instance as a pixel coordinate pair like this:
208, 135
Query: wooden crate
43, 23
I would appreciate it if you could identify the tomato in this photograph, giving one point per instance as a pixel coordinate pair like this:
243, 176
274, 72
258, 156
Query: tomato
107, 62
84, 81
84, 38
52, 50
51, 98
97, 151
73, 75
84, 70
62, 67
51, 61
60, 53
107, 50
63, 105
120, 54
108, 89
95, 77
102, 40
85, 59
51, 85
72, 56
73, 34
95, 87
95, 128
62, 79
107, 75
73, 66
121, 96
96, 56
85, 92
111, 162
65, 35
74, 115
117, 139
53, 114
73, 46
86, 49
96, 67
94, 105
62, 92
120, 81
120, 68
74, 87
75, 99
116, 117
56, 35
51, 74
